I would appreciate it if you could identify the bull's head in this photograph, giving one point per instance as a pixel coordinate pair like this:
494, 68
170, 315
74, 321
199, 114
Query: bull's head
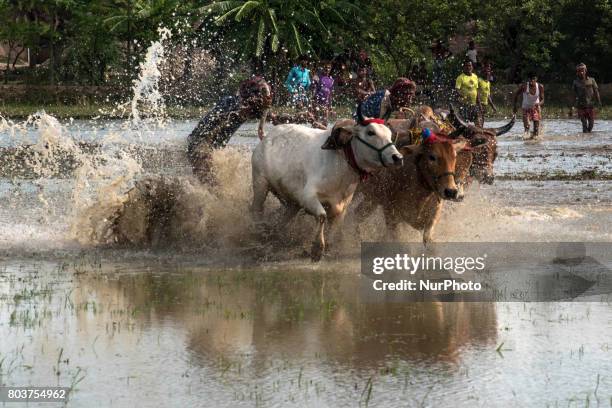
370, 141
436, 165
483, 142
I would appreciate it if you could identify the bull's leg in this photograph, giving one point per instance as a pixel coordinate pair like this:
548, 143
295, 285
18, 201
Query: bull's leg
335, 222
318, 245
429, 227
392, 222
313, 206
261, 187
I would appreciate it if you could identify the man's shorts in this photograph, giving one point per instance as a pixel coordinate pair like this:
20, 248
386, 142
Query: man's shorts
532, 114
586, 113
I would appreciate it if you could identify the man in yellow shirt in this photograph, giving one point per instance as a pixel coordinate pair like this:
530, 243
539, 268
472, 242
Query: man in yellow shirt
484, 91
467, 87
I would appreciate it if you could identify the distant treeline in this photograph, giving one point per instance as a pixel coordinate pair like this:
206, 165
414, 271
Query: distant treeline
101, 42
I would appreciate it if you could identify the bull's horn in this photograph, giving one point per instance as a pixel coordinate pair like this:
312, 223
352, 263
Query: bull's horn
360, 118
506, 128
456, 119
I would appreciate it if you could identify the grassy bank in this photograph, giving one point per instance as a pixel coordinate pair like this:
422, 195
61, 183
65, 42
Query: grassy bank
88, 111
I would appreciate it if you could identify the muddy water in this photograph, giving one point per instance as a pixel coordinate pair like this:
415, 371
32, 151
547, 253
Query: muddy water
221, 316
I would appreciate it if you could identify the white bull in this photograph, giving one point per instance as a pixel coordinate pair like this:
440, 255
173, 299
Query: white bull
318, 170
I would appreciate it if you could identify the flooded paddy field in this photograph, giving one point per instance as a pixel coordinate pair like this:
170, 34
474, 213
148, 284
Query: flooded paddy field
216, 315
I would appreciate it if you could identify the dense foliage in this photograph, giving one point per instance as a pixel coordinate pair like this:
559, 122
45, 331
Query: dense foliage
102, 41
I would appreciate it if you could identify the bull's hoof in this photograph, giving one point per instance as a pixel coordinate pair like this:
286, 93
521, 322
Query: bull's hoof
316, 253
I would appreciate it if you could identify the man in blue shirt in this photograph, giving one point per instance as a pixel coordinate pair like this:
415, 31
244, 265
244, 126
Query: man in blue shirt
252, 101
381, 104
298, 83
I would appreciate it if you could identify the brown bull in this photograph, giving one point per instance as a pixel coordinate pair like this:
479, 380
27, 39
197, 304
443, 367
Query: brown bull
414, 193
483, 157
407, 130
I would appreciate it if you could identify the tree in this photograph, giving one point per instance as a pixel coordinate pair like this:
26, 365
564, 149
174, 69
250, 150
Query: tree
298, 27
397, 32
585, 28
523, 35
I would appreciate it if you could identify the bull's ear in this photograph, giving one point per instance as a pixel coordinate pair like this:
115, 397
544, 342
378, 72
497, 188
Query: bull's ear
410, 150
339, 137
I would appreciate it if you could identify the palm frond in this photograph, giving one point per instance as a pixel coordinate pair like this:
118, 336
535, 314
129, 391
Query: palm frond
220, 20
296, 35
272, 14
246, 8
217, 7
261, 37
275, 42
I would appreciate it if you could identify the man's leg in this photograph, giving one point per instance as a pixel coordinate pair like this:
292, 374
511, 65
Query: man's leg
536, 117
526, 123
591, 120
584, 121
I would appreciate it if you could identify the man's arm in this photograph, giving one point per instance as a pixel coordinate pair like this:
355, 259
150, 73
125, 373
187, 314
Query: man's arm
492, 104
518, 92
541, 94
596, 92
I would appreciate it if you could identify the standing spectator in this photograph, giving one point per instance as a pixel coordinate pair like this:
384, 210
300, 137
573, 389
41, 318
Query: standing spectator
533, 99
362, 61
467, 87
298, 83
585, 90
363, 86
323, 93
490, 74
472, 53
381, 104
484, 90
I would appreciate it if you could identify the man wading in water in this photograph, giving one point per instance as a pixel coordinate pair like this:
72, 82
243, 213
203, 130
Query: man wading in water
215, 129
533, 99
585, 92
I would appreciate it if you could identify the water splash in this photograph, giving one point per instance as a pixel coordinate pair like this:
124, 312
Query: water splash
147, 99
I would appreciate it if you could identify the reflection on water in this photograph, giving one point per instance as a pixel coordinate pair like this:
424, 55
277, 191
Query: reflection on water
151, 332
